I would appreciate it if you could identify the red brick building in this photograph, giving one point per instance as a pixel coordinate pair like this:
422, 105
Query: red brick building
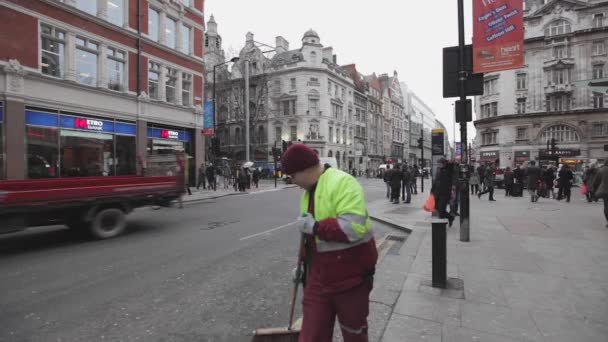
88, 86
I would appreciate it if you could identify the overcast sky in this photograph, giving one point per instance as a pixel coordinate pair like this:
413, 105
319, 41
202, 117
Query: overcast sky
378, 36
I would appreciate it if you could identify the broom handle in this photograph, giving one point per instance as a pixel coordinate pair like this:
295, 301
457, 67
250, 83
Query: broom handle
297, 282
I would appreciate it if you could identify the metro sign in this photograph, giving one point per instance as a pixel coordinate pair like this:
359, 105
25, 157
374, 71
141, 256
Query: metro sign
167, 134
95, 125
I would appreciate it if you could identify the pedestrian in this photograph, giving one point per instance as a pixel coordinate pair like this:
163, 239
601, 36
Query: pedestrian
488, 179
243, 179
518, 175
481, 171
454, 168
395, 181
442, 188
227, 177
256, 177
415, 175
211, 177
201, 177
548, 179
533, 173
566, 178
340, 249
588, 178
386, 179
406, 184
474, 181
600, 187
509, 179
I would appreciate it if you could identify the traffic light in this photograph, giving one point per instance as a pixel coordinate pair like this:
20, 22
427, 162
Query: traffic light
420, 142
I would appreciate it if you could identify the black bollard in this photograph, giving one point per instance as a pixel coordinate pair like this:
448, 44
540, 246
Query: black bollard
439, 227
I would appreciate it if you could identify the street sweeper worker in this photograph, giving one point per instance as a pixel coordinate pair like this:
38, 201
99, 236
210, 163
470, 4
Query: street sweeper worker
340, 249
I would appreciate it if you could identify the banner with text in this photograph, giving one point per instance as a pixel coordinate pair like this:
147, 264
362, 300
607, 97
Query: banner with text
498, 35
208, 118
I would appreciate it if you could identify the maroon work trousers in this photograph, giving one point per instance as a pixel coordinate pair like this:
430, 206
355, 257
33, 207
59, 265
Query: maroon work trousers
320, 312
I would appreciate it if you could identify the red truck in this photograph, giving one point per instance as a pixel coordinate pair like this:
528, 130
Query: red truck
95, 204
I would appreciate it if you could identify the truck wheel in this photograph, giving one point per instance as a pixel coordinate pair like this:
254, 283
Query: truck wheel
108, 223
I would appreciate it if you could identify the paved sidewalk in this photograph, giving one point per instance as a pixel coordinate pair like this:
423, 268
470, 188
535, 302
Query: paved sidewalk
531, 272
264, 186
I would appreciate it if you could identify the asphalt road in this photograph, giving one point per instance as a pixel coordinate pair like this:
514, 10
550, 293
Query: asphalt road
212, 271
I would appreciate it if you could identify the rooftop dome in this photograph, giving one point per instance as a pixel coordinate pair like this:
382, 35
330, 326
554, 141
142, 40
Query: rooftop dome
311, 33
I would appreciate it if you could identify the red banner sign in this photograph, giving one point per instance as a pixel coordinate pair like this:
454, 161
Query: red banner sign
498, 35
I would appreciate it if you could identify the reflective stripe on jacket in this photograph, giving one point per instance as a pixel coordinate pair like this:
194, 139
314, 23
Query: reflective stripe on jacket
345, 248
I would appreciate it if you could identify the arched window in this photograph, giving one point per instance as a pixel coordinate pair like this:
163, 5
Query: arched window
558, 27
237, 136
561, 133
261, 135
313, 57
330, 154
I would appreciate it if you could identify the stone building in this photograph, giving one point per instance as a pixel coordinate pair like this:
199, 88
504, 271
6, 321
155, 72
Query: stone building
395, 115
550, 97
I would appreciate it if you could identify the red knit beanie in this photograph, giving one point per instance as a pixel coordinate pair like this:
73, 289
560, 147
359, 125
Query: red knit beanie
298, 157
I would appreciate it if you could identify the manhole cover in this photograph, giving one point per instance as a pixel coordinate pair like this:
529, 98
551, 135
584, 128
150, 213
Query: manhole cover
217, 224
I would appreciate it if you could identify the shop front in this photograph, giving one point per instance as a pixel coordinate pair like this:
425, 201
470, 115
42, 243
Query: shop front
163, 140
522, 157
2, 144
62, 144
488, 156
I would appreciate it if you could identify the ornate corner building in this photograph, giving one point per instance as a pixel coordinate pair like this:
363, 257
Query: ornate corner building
89, 86
559, 94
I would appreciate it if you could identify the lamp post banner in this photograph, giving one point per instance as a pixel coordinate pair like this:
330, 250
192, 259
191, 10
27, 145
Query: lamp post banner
208, 128
498, 35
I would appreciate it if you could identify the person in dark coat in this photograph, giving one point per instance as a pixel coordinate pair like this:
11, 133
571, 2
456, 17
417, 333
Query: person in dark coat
481, 171
588, 178
488, 182
406, 184
533, 173
518, 175
211, 177
566, 178
395, 181
509, 180
443, 185
548, 179
600, 187
386, 177
201, 177
415, 175
256, 177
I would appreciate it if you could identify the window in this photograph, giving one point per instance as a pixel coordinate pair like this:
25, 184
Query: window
293, 83
522, 133
185, 40
293, 133
599, 48
561, 133
558, 103
329, 88
313, 132
86, 61
494, 108
560, 76
153, 24
237, 136
599, 129
170, 83
186, 89
53, 50
261, 136
89, 6
343, 94
521, 106
42, 152
313, 57
313, 106
598, 100
116, 69
344, 136
558, 27
598, 71
277, 87
116, 11
521, 81
598, 20
170, 32
289, 107
278, 133
338, 136
489, 138
153, 77
331, 135
489, 87
561, 51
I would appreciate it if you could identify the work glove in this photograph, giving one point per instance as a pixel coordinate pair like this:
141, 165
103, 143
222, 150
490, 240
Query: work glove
306, 223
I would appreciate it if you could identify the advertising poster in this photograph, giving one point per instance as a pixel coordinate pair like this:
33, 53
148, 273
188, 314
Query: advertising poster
458, 151
208, 118
498, 35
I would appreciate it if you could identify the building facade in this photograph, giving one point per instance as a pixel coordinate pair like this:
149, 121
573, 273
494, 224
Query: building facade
423, 118
394, 102
550, 98
87, 89
375, 151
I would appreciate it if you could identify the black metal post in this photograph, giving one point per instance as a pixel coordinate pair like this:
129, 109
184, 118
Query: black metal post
422, 158
464, 186
439, 246
274, 156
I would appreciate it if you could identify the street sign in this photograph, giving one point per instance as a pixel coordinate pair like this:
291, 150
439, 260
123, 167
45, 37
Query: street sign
466, 116
451, 83
498, 35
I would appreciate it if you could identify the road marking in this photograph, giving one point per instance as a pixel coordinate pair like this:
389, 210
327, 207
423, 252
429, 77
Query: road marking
268, 231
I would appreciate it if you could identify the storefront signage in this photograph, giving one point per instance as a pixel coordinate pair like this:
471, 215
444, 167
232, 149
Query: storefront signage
498, 35
571, 161
488, 156
437, 141
169, 134
560, 153
36, 118
522, 156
